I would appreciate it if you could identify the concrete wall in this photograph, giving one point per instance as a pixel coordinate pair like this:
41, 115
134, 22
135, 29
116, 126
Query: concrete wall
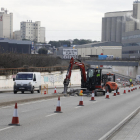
52, 79
128, 71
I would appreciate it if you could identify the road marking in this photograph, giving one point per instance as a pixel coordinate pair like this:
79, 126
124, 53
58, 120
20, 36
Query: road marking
95, 102
78, 106
51, 114
6, 128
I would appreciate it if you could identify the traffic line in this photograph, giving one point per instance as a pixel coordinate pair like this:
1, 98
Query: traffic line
51, 114
78, 106
6, 128
95, 102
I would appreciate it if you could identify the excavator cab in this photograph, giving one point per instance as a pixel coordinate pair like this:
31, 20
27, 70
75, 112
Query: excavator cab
93, 78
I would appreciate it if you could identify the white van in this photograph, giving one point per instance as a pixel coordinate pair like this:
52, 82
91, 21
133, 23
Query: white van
27, 81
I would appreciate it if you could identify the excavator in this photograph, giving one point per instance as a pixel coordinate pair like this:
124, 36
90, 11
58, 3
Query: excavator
109, 82
89, 81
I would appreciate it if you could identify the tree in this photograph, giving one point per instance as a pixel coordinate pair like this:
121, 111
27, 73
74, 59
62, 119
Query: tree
42, 51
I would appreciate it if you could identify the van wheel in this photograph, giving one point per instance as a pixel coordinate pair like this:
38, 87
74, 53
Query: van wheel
32, 91
15, 92
22, 92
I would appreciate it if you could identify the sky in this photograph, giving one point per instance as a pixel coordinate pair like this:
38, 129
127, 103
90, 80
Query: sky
65, 19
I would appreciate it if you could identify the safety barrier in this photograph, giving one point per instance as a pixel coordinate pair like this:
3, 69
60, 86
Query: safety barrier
44, 89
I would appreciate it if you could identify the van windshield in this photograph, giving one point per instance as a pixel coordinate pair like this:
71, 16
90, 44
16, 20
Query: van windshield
24, 77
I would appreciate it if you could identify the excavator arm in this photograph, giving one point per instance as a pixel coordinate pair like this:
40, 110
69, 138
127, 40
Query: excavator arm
69, 71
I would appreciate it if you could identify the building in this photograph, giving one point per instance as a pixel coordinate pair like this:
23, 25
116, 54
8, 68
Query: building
6, 24
15, 46
17, 35
92, 50
124, 27
106, 48
32, 31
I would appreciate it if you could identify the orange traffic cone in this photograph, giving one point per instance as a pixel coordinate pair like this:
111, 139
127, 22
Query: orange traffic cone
118, 93
129, 89
124, 90
58, 108
15, 120
81, 101
107, 95
114, 93
92, 97
55, 90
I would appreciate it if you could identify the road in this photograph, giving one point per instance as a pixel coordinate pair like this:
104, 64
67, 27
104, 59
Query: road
10, 96
91, 121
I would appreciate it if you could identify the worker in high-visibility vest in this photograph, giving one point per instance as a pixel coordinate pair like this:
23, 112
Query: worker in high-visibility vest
130, 81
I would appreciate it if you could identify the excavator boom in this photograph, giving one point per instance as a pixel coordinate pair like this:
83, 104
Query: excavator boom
68, 76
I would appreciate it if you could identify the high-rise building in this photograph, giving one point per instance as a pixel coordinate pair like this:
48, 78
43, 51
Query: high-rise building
6, 24
124, 27
32, 31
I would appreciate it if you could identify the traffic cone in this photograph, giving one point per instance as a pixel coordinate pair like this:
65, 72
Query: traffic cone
124, 90
107, 95
92, 97
114, 93
55, 90
129, 89
15, 119
58, 108
118, 93
44, 92
81, 101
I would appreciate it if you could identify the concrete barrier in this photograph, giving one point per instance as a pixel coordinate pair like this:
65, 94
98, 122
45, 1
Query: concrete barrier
52, 79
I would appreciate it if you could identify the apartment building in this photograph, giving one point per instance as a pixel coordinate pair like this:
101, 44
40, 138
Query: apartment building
6, 24
32, 31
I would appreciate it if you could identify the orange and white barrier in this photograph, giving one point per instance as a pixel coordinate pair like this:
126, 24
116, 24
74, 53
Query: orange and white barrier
55, 90
44, 89
92, 96
81, 101
107, 95
114, 93
58, 108
15, 119
129, 89
124, 90
118, 93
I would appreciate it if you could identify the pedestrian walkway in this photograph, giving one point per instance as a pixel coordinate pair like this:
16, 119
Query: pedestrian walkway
130, 131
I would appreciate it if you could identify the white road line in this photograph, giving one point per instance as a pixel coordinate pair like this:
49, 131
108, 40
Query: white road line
78, 106
95, 102
6, 128
51, 114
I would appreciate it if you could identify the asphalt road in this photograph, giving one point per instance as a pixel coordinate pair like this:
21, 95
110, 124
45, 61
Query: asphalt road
91, 121
10, 96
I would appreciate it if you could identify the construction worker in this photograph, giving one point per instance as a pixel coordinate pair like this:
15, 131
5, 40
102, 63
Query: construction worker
130, 81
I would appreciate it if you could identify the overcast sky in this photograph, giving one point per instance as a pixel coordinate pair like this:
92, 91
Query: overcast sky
65, 19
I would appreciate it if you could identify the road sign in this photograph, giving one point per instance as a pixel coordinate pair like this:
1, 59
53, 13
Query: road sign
69, 53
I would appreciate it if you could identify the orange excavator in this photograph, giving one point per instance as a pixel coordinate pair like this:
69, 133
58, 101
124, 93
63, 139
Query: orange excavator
109, 82
89, 81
